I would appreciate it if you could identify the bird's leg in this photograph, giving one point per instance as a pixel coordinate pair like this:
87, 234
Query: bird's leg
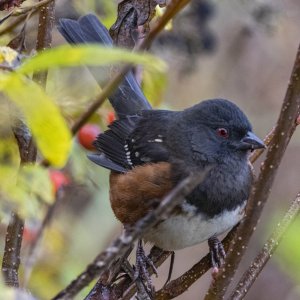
217, 254
142, 263
170, 268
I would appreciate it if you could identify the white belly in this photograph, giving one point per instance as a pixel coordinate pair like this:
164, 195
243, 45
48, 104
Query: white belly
181, 231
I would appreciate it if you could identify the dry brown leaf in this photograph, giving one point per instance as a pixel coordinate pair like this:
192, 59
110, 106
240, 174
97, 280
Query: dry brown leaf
7, 4
131, 15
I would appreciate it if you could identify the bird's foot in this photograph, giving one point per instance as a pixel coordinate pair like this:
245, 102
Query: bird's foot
141, 268
217, 254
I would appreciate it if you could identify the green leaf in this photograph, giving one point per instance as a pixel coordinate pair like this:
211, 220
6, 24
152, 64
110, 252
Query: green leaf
94, 55
43, 117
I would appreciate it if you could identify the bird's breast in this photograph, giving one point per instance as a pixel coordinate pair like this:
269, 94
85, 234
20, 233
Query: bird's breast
190, 227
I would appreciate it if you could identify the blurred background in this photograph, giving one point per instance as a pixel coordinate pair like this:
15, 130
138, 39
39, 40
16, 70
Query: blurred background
235, 49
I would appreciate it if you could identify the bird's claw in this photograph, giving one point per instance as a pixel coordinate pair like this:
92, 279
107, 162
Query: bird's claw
141, 268
217, 254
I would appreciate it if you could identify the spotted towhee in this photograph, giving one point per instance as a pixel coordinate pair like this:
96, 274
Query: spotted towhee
150, 151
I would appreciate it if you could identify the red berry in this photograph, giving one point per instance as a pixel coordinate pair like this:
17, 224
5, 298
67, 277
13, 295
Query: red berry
110, 117
87, 134
29, 234
58, 179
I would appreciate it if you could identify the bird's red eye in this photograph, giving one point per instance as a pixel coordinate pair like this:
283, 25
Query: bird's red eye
223, 132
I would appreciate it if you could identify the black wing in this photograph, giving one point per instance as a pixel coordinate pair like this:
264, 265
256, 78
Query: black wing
134, 140
128, 99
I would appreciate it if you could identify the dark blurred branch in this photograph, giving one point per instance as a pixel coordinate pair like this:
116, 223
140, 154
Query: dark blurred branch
11, 257
44, 36
284, 129
14, 234
265, 254
121, 245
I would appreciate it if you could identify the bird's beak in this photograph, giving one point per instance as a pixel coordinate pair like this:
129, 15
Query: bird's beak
251, 142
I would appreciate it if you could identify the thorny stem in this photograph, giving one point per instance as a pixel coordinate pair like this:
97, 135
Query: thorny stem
121, 245
284, 129
265, 254
44, 36
11, 257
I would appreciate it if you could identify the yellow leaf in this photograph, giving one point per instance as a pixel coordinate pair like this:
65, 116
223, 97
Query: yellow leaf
43, 117
94, 55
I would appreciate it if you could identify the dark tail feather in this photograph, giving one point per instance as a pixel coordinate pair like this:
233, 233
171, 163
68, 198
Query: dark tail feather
128, 99
103, 161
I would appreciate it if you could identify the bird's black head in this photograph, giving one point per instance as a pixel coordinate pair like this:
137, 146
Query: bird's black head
220, 128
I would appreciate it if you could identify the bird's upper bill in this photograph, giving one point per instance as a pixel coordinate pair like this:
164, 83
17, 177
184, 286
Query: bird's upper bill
251, 142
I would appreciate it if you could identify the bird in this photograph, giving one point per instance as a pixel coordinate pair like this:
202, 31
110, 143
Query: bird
149, 151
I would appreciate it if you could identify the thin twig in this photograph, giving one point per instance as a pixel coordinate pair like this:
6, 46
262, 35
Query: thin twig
24, 10
284, 129
265, 254
120, 246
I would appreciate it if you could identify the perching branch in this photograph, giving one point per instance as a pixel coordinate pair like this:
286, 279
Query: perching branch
284, 129
121, 245
265, 254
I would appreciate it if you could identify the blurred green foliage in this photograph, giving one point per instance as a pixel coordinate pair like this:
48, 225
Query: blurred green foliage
288, 254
